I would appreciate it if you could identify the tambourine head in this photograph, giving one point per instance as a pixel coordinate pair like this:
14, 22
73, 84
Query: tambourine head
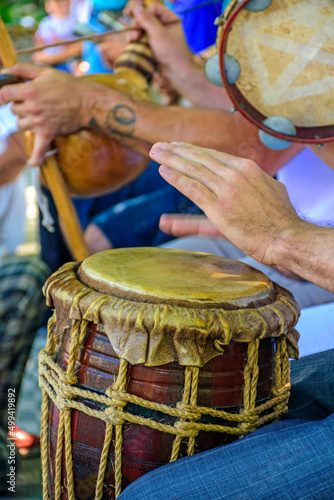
285, 52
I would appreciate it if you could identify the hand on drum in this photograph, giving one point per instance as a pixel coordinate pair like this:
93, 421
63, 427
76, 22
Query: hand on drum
49, 105
249, 207
188, 225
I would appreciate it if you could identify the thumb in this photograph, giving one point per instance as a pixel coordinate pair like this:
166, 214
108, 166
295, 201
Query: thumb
41, 146
146, 20
25, 71
133, 36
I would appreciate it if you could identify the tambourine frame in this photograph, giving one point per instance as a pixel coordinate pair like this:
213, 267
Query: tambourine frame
310, 135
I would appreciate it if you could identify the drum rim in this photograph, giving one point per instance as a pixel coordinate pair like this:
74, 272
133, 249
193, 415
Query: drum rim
310, 135
161, 326
261, 292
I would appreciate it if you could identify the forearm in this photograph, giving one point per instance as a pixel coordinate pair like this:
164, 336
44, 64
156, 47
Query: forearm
209, 128
66, 53
191, 82
325, 153
306, 250
13, 160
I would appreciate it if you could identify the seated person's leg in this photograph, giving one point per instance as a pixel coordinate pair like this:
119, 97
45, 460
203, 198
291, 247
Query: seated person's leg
312, 391
291, 459
135, 222
22, 311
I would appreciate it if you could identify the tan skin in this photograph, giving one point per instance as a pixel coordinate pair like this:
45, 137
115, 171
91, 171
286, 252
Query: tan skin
13, 159
325, 153
66, 53
54, 103
186, 225
60, 9
250, 208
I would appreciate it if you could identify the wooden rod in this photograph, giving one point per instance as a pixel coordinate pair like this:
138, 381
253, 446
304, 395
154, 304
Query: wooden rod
94, 37
67, 215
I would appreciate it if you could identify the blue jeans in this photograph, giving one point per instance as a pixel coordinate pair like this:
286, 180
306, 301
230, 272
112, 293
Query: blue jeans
130, 216
290, 460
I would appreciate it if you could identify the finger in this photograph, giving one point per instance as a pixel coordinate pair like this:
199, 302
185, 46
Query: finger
188, 166
179, 224
128, 9
162, 12
18, 92
193, 189
187, 225
19, 109
26, 71
22, 109
182, 148
148, 21
41, 146
133, 36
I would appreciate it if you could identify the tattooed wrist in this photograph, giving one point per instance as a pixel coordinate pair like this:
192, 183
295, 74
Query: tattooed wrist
120, 120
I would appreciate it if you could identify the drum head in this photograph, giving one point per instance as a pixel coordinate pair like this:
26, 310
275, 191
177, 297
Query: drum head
286, 58
157, 275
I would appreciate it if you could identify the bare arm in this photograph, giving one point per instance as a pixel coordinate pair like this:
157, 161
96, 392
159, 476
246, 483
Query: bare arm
176, 62
251, 209
326, 153
13, 159
55, 103
210, 128
67, 52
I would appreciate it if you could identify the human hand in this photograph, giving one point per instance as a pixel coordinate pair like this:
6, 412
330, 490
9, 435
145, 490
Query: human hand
188, 225
165, 34
49, 105
111, 48
96, 240
249, 207
41, 57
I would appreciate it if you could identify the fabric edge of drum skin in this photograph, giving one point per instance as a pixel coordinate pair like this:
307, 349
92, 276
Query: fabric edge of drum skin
176, 277
157, 334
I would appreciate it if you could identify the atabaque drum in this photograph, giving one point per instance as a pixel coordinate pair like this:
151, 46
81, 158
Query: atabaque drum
277, 62
153, 354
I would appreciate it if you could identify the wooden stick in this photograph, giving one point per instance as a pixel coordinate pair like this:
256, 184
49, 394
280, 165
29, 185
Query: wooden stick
56, 183
94, 37
7, 50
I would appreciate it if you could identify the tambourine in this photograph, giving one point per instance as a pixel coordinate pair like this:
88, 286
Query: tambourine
277, 64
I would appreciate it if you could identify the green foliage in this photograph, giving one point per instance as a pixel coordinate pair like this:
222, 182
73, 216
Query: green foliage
12, 11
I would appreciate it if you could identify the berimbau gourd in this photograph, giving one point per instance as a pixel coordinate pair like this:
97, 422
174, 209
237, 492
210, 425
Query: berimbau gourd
91, 162
88, 162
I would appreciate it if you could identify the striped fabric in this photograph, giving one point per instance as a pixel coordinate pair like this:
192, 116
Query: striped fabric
22, 312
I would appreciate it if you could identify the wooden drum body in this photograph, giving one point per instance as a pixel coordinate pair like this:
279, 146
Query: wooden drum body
155, 354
